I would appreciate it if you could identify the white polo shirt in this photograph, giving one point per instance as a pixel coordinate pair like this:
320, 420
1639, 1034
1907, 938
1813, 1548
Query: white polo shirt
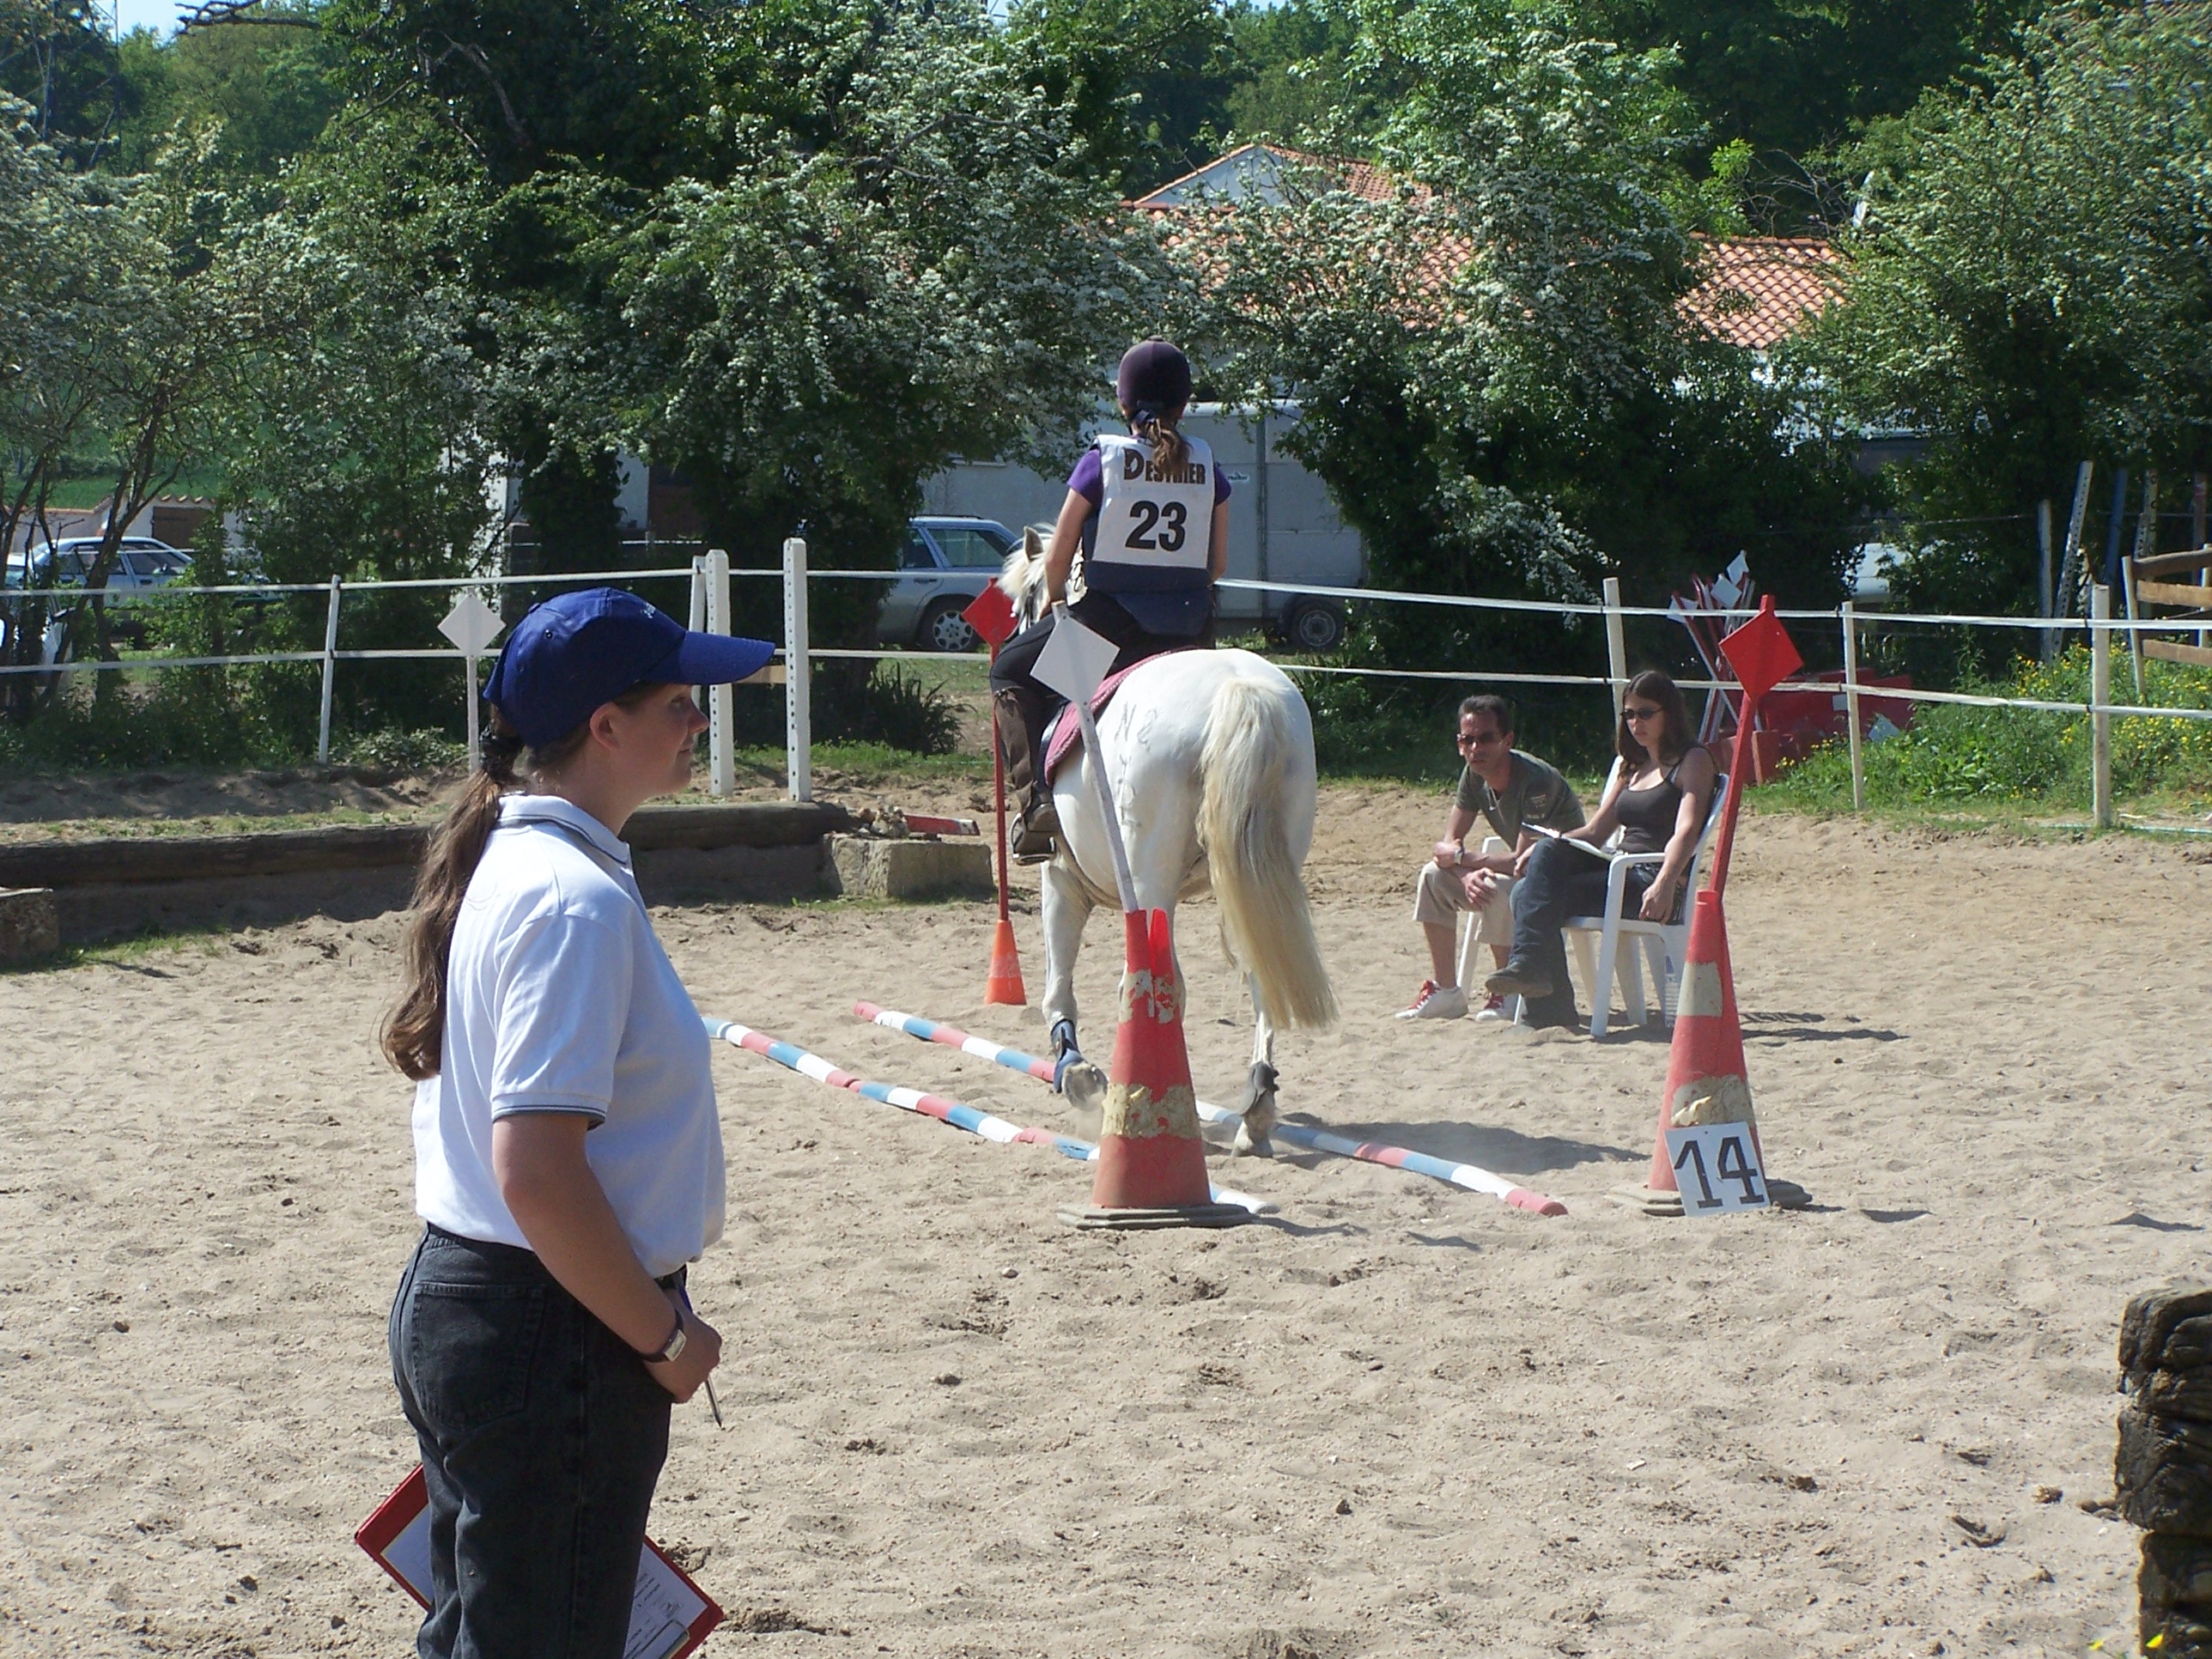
559, 999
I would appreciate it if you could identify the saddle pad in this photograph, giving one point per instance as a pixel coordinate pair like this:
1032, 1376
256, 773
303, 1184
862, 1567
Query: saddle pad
1065, 732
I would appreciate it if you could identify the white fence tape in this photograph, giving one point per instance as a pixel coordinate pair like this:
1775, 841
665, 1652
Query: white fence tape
1852, 687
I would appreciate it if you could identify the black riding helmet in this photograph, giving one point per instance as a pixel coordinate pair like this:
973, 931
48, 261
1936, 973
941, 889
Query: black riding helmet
1154, 379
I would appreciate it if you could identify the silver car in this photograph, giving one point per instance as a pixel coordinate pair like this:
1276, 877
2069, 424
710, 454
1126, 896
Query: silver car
140, 562
944, 564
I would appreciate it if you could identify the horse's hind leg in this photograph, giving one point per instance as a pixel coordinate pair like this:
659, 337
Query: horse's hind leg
1258, 1105
1068, 906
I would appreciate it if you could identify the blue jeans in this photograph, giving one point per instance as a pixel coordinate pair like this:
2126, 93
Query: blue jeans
542, 1435
1563, 881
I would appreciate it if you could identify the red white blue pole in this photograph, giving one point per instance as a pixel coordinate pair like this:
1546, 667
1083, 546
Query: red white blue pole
930, 1030
946, 1110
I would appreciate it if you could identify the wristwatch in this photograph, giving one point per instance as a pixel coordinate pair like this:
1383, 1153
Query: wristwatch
671, 1351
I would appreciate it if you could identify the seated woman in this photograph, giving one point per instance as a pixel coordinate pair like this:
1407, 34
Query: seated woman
1142, 537
1657, 799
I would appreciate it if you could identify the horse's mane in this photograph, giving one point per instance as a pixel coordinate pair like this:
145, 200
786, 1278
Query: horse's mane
1021, 579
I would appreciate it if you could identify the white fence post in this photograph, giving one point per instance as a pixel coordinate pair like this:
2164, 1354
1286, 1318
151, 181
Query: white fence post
697, 623
475, 734
329, 668
798, 713
2101, 697
1616, 645
1851, 703
721, 705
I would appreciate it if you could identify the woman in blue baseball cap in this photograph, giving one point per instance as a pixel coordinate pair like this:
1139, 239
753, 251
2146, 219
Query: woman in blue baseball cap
1143, 535
568, 1154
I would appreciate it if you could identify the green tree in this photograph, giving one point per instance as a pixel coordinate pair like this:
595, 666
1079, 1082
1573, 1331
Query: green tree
1291, 61
269, 78
58, 57
1146, 83
1497, 381
1792, 79
71, 252
359, 448
934, 277
2032, 285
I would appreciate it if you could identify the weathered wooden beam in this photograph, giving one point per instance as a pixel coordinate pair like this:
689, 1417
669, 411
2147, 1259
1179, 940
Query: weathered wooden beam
126, 859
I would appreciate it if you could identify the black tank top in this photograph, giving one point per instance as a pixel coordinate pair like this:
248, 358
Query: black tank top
1647, 815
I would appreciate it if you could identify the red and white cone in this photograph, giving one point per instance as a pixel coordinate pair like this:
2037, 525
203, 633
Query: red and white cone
1151, 1162
1705, 1080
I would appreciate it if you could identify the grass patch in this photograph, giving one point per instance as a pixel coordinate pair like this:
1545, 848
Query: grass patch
869, 763
2015, 764
129, 953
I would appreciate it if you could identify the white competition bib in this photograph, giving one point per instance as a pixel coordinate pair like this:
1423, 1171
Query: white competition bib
1164, 520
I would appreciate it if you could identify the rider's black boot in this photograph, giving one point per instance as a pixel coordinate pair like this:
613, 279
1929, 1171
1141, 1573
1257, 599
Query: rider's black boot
1018, 715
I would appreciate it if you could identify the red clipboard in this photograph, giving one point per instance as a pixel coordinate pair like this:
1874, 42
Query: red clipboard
670, 1615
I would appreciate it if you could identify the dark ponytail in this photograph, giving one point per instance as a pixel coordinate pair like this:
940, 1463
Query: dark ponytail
415, 1034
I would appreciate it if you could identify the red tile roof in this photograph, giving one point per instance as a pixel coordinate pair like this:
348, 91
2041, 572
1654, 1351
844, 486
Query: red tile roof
1759, 290
1753, 292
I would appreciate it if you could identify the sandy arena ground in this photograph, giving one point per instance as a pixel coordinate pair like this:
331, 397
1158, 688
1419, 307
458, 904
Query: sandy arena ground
1401, 1420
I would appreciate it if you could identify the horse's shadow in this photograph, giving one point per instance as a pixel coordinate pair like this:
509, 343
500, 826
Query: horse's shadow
1501, 1150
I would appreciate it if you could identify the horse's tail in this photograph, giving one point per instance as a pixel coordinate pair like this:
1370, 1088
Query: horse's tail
1243, 822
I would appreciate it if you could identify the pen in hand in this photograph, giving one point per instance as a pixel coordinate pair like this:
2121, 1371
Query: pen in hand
712, 1404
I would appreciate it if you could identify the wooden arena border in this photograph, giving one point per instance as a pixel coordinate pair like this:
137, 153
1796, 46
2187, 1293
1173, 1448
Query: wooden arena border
761, 851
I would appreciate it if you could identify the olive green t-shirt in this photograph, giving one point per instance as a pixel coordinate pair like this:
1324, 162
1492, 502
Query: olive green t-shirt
1535, 794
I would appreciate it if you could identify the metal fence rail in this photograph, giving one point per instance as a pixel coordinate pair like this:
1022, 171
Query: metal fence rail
710, 576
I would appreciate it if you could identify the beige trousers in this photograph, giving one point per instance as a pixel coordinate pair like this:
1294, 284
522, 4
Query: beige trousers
1441, 898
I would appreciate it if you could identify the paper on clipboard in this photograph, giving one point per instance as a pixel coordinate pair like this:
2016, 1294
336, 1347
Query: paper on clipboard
670, 1615
1591, 847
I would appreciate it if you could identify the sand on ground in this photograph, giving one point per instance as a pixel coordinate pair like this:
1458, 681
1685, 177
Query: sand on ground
1402, 1419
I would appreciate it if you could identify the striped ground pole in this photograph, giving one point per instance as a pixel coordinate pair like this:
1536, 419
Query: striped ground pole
930, 1030
1472, 1176
990, 1127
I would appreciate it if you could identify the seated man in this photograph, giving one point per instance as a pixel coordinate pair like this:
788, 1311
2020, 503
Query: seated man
1512, 790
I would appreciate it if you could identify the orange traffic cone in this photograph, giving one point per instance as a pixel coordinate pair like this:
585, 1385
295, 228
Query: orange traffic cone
1005, 983
1151, 1163
1705, 1080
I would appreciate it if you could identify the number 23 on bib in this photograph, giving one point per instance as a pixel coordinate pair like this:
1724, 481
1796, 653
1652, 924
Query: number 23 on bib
1161, 517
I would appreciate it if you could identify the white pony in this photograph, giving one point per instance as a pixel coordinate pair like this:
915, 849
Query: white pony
1211, 758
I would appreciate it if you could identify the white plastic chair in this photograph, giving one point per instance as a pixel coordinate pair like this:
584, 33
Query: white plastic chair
1596, 939
1665, 943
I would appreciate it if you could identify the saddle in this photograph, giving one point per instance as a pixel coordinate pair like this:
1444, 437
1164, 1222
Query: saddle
1065, 731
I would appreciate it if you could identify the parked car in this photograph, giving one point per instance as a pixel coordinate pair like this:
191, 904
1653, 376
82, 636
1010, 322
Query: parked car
946, 563
140, 563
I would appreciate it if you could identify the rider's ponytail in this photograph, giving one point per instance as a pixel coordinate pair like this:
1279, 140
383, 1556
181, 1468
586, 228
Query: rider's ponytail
1159, 429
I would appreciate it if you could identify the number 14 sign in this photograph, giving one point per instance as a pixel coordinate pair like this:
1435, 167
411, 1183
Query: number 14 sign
1717, 1168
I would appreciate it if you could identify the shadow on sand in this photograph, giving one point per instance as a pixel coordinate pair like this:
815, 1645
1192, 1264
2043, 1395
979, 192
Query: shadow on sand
1506, 1152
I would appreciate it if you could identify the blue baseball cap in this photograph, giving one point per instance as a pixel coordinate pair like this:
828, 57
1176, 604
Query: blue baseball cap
577, 651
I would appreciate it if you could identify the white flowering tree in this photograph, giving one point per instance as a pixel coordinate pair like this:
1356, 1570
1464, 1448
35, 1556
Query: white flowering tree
925, 272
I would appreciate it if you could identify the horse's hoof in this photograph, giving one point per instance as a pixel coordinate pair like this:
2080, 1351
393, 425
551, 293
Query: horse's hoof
1083, 1084
1248, 1145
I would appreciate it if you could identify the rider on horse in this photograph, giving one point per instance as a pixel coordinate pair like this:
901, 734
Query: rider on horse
1149, 515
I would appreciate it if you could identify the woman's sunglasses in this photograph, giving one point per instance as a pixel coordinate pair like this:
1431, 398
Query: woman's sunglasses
1638, 716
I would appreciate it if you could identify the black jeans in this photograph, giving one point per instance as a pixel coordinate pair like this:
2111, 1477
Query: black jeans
542, 1435
1563, 881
